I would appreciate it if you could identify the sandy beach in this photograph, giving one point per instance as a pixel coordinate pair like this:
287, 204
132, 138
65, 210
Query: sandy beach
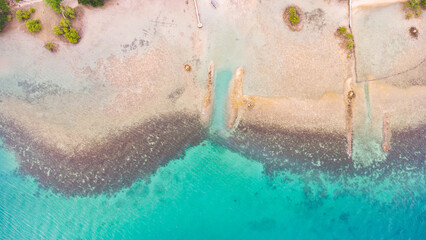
134, 100
123, 91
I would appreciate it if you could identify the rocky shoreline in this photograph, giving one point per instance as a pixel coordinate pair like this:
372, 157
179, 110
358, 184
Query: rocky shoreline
117, 162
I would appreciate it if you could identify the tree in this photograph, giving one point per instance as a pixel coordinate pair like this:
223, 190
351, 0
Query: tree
4, 13
94, 3
294, 17
22, 15
58, 30
54, 4
68, 12
33, 25
72, 35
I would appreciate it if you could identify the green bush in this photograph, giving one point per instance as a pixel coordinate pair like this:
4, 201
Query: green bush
31, 10
94, 3
58, 30
33, 25
409, 15
413, 4
419, 12
49, 46
68, 12
4, 13
3, 20
350, 44
3, 7
349, 35
9, 17
342, 30
72, 35
294, 18
54, 4
22, 15
65, 23
423, 3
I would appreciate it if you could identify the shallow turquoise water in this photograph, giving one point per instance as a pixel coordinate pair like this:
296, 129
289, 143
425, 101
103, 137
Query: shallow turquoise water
216, 194
213, 193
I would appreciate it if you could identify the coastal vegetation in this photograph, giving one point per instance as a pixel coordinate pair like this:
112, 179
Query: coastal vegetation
293, 16
49, 46
413, 8
33, 25
66, 30
68, 12
346, 38
54, 4
93, 3
24, 14
4, 14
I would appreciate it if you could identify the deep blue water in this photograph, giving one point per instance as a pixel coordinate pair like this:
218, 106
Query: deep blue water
213, 193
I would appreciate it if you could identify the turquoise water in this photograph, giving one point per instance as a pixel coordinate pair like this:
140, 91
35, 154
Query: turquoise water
216, 194
221, 84
213, 193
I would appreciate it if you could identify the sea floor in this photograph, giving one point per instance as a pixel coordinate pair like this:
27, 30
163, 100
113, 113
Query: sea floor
213, 193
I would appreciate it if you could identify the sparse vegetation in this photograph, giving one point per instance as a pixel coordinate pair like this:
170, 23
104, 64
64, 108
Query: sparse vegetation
72, 35
346, 38
413, 7
33, 25
68, 12
58, 30
49, 46
93, 3
67, 31
22, 15
54, 4
293, 16
31, 10
4, 13
350, 44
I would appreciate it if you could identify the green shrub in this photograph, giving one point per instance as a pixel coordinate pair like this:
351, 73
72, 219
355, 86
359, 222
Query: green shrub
65, 23
413, 4
31, 10
342, 30
72, 35
58, 30
9, 17
4, 13
68, 12
419, 12
54, 4
3, 20
49, 46
94, 3
3, 7
349, 35
350, 44
409, 15
33, 25
294, 18
423, 3
22, 15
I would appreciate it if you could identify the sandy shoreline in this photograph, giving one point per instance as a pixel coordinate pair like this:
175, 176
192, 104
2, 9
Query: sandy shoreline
123, 93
